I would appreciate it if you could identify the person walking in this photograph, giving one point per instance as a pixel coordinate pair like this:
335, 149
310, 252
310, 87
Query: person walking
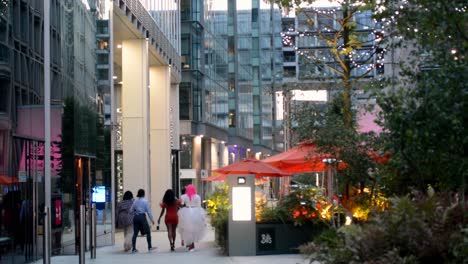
140, 208
178, 214
191, 218
124, 218
170, 205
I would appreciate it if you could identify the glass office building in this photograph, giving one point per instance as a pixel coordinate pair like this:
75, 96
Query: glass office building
80, 163
203, 98
230, 50
84, 131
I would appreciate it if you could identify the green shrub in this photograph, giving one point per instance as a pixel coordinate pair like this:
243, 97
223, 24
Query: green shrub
415, 229
274, 214
305, 206
217, 207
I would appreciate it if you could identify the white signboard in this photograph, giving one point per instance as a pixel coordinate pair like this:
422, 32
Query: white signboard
188, 174
241, 203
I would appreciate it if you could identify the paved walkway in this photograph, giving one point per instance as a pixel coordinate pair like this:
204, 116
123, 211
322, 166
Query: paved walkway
206, 252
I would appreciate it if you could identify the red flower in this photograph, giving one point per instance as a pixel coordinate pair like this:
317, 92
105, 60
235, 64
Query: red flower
313, 214
296, 214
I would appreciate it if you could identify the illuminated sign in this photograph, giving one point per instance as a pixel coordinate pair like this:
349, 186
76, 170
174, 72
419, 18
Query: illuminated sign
99, 194
241, 204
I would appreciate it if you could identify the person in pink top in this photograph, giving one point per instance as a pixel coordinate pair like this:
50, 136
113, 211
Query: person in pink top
192, 219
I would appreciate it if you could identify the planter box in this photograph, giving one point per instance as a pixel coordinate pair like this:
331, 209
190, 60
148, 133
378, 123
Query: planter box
280, 238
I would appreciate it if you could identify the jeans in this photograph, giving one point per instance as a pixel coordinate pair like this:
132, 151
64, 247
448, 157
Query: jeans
141, 224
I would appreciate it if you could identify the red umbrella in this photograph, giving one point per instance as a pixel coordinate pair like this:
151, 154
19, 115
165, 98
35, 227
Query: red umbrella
4, 179
303, 158
247, 166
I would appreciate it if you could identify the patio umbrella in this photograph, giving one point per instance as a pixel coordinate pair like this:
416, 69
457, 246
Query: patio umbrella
305, 157
300, 159
4, 179
247, 166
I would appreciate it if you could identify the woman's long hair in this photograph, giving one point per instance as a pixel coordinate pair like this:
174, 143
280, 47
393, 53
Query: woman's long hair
169, 197
190, 191
128, 195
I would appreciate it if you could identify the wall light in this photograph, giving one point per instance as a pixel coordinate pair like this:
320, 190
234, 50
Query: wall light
119, 46
241, 180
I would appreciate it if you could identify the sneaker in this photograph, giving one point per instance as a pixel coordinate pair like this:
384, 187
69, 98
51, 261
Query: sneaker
134, 251
152, 249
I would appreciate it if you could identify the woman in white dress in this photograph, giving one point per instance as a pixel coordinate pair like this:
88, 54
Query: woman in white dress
192, 219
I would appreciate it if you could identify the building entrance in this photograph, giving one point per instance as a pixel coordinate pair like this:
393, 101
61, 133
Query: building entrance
22, 203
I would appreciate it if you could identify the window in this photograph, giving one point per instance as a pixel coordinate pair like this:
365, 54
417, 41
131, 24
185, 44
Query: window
102, 45
103, 74
103, 59
254, 15
232, 118
4, 88
289, 56
102, 27
185, 99
289, 71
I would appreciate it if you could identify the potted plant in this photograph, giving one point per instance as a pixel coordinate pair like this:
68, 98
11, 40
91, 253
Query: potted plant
295, 220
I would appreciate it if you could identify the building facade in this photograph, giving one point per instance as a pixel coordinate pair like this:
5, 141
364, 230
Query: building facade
80, 143
203, 90
308, 60
230, 52
113, 113
146, 72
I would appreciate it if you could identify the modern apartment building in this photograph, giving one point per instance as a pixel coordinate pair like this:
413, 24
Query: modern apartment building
113, 113
231, 51
307, 81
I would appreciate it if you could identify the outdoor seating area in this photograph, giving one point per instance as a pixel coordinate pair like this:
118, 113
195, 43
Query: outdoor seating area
299, 214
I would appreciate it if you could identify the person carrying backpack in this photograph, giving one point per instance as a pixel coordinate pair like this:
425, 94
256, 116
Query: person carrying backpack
124, 218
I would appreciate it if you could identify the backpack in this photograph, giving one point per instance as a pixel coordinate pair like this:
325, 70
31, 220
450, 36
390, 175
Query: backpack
124, 216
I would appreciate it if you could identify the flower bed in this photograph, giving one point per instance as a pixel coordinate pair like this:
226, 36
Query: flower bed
296, 219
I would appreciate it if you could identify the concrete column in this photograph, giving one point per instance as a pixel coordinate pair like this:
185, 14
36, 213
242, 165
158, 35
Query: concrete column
197, 157
160, 134
135, 116
174, 117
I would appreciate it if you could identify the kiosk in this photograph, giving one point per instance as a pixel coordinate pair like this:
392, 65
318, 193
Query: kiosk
241, 224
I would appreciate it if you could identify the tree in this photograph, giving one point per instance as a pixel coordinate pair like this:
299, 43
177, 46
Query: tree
326, 128
347, 44
423, 110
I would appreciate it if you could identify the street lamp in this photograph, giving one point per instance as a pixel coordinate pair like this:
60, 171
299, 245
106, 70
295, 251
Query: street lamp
330, 162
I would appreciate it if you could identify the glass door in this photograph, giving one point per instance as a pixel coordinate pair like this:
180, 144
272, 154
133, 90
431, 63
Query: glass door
21, 228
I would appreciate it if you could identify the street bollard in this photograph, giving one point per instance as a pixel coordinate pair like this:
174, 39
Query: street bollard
82, 234
93, 231
47, 235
